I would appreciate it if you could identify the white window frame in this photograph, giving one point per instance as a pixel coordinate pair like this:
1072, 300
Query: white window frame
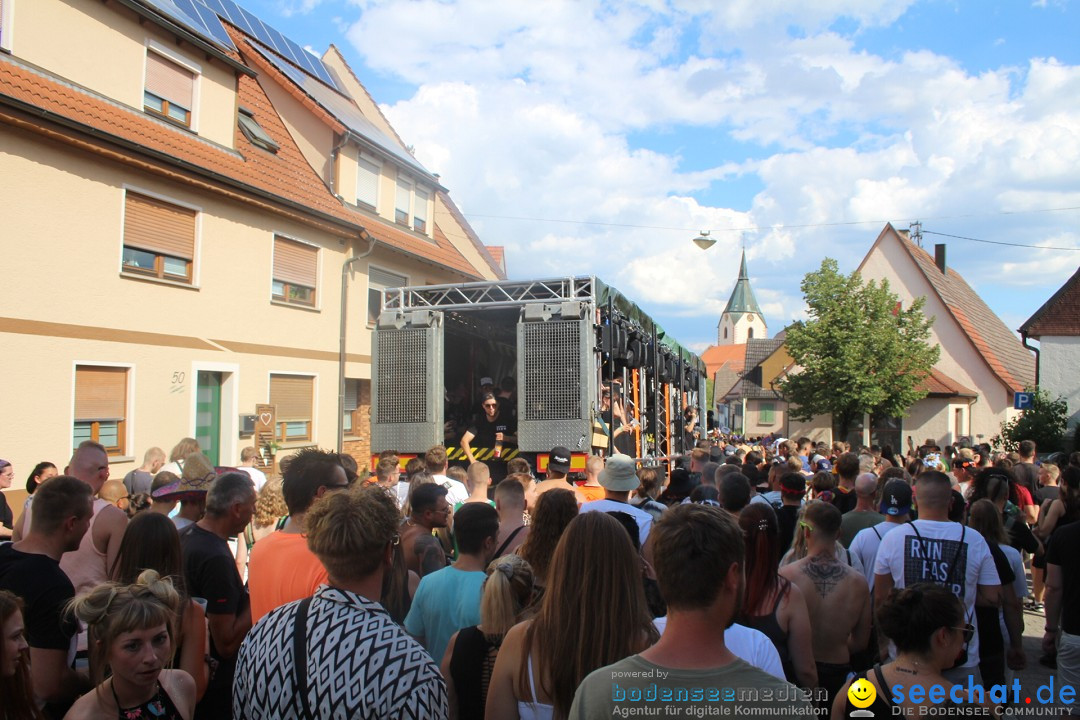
366, 157
314, 407
129, 409
184, 62
317, 307
196, 266
367, 276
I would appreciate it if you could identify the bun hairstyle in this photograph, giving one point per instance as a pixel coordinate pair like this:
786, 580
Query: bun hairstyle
112, 608
910, 616
508, 591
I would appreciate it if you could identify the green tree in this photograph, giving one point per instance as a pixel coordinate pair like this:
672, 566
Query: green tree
859, 352
1044, 423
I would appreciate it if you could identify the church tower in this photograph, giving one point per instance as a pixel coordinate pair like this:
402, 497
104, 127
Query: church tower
741, 320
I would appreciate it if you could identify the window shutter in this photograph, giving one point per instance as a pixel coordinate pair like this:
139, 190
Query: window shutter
367, 182
404, 190
168, 80
382, 279
159, 227
295, 263
420, 213
352, 393
100, 393
292, 394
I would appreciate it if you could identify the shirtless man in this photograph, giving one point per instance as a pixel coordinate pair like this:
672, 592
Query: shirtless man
837, 598
555, 478
430, 510
510, 503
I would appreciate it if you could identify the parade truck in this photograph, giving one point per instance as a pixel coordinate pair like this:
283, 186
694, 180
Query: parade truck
580, 364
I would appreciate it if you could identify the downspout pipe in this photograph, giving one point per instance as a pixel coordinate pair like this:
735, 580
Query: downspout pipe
345, 267
1024, 340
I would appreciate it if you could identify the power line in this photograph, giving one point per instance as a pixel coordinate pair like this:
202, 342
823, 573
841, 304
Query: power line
756, 228
999, 242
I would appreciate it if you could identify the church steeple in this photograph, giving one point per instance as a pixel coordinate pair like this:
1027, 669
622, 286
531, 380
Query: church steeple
741, 319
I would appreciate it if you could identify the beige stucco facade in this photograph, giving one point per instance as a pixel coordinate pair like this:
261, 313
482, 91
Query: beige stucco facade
68, 301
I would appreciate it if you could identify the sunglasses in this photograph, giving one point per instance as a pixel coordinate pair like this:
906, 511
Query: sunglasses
968, 630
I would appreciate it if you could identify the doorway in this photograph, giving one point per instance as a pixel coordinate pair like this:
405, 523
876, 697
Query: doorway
208, 415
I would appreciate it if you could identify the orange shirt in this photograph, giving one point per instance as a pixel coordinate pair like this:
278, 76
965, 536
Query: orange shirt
281, 569
591, 492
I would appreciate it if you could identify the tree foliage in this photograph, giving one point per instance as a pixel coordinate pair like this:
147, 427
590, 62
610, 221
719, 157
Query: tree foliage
859, 352
1044, 423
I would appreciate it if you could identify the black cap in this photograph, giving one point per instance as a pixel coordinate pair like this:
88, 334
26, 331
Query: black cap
559, 459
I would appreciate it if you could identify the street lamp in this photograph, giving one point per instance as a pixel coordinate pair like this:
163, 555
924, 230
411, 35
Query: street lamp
703, 240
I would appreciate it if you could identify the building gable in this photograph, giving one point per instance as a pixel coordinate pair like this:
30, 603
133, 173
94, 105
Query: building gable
1060, 315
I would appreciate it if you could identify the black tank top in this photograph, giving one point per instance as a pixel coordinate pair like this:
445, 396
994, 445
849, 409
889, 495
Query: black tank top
159, 707
770, 626
471, 664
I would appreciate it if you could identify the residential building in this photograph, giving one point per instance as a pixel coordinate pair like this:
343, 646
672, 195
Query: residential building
1056, 326
187, 191
969, 391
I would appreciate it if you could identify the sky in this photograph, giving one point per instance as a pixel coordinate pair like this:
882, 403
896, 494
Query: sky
599, 138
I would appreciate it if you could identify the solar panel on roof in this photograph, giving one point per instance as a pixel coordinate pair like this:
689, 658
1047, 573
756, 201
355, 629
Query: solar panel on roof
271, 38
184, 12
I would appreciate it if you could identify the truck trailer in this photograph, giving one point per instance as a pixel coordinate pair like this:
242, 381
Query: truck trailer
562, 346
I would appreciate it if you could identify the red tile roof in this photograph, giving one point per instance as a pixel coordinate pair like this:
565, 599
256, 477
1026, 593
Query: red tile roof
938, 384
999, 347
284, 177
718, 356
1060, 315
498, 254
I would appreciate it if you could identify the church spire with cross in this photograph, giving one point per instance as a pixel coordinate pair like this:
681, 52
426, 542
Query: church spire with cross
741, 319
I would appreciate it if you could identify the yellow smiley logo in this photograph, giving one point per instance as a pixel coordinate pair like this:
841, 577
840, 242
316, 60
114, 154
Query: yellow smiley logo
861, 693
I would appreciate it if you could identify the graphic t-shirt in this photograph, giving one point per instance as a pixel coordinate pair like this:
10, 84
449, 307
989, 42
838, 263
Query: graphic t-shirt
945, 553
635, 687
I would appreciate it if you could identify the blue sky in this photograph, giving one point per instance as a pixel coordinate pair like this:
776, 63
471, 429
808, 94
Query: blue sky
762, 114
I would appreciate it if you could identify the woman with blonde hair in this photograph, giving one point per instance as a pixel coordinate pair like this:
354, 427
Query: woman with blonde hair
470, 656
131, 637
271, 513
542, 661
16, 688
176, 458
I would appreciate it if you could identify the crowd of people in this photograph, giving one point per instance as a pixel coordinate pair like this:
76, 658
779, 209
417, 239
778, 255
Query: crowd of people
783, 572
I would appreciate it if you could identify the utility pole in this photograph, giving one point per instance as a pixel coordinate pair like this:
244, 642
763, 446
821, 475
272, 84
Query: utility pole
915, 229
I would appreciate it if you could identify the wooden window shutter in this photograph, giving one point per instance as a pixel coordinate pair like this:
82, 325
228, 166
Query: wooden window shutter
295, 263
293, 396
168, 80
100, 393
159, 227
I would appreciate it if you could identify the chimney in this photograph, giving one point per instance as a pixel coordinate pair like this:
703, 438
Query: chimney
939, 257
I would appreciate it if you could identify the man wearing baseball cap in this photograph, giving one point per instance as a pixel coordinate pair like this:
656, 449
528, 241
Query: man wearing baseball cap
558, 468
619, 479
896, 507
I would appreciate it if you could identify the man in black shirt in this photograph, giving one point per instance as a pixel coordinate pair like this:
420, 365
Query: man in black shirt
847, 469
30, 568
210, 572
493, 430
1063, 603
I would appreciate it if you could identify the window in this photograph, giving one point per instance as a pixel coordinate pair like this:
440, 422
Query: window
766, 413
295, 272
367, 182
254, 132
403, 202
159, 238
379, 280
293, 395
420, 214
357, 402
749, 333
886, 430
170, 89
101, 407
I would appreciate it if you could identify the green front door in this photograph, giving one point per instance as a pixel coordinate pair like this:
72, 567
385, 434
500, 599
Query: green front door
208, 415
